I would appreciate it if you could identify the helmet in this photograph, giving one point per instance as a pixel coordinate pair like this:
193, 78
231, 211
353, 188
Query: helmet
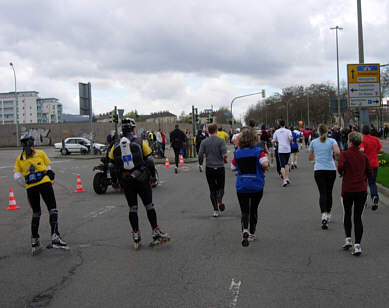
128, 124
27, 140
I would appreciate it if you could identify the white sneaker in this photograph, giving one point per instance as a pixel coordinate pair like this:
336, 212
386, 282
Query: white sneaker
216, 214
348, 243
329, 217
284, 183
357, 250
287, 181
252, 237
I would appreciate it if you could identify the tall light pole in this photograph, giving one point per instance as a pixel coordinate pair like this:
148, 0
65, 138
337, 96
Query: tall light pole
16, 107
337, 70
237, 97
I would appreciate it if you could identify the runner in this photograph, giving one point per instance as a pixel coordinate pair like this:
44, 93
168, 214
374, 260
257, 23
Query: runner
215, 152
323, 149
306, 134
33, 171
177, 141
294, 148
371, 146
250, 162
222, 134
354, 167
130, 158
284, 138
235, 138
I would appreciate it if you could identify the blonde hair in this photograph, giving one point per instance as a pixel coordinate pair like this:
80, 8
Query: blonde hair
323, 130
248, 138
355, 138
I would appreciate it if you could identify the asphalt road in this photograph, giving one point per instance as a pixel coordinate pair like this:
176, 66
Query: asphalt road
292, 264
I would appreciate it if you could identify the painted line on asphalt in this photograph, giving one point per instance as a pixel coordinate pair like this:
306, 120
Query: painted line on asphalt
235, 289
101, 211
6, 167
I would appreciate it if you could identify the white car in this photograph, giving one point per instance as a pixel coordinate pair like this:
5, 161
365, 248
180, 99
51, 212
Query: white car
79, 145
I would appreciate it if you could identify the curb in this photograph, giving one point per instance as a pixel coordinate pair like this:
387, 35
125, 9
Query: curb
383, 190
157, 161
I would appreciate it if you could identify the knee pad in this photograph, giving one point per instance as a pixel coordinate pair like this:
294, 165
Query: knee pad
36, 214
149, 206
133, 209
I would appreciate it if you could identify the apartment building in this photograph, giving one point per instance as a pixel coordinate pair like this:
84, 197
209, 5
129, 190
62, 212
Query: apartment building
31, 108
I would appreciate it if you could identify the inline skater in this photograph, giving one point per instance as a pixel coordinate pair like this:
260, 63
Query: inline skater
132, 160
33, 171
215, 151
250, 161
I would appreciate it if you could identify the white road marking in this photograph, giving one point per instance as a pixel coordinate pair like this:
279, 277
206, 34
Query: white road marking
6, 167
235, 288
101, 211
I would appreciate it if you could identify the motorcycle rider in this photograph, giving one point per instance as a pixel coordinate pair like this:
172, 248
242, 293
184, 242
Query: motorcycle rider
33, 171
133, 162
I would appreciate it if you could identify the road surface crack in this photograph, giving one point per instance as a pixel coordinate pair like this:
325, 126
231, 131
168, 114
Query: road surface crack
44, 298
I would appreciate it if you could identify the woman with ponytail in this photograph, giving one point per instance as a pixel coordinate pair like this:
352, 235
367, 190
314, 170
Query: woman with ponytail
324, 148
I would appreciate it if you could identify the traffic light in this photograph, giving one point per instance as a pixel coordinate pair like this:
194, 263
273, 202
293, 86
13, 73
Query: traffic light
263, 93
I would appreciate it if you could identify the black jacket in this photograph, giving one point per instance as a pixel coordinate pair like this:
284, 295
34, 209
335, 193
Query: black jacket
177, 138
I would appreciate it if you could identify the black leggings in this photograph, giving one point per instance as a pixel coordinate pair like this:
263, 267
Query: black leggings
132, 189
177, 151
33, 194
216, 180
249, 208
357, 199
325, 180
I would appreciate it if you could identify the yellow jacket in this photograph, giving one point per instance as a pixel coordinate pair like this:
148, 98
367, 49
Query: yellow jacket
39, 160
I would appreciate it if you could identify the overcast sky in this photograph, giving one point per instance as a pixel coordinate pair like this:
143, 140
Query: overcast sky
170, 55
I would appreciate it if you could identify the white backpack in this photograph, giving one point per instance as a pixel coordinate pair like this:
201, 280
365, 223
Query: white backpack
127, 157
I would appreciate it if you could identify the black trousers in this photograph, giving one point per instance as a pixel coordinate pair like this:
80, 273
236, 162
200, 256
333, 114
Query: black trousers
249, 207
216, 179
132, 188
357, 199
33, 195
325, 180
177, 151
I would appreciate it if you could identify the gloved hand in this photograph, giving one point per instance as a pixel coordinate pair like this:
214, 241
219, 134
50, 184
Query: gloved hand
51, 174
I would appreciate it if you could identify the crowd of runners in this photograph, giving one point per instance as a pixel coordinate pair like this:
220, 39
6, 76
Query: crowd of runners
256, 150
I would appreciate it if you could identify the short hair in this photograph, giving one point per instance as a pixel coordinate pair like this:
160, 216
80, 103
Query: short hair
355, 138
252, 123
248, 138
366, 130
220, 128
212, 128
176, 126
282, 123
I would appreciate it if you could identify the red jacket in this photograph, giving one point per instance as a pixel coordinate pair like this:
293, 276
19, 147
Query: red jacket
355, 168
371, 146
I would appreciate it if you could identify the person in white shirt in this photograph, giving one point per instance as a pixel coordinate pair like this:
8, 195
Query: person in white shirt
235, 138
284, 138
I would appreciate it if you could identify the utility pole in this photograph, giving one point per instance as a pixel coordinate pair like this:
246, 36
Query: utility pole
16, 107
363, 112
337, 72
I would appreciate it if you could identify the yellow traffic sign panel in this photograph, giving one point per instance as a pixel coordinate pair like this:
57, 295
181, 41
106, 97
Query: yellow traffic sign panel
363, 73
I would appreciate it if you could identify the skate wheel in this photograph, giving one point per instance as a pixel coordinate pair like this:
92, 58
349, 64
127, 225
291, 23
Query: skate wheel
36, 251
137, 246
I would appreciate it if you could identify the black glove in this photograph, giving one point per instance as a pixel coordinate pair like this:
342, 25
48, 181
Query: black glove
50, 174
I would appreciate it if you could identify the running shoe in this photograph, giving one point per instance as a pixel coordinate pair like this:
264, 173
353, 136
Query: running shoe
216, 214
222, 207
375, 203
284, 183
292, 167
252, 237
175, 170
329, 217
245, 238
287, 181
357, 250
200, 168
348, 243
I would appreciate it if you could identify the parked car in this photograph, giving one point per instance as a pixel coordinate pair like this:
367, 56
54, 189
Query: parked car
79, 145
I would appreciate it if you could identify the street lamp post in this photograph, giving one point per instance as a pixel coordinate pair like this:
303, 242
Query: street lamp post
337, 69
16, 107
237, 97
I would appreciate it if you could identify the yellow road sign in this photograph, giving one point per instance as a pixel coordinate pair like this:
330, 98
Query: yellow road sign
363, 73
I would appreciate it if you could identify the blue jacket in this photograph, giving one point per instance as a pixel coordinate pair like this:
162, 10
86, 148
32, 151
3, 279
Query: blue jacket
250, 177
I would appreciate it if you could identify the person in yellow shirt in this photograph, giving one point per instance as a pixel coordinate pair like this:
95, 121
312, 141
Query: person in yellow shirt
222, 134
132, 161
33, 171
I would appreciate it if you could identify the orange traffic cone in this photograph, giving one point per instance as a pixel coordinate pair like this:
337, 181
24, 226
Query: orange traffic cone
181, 159
79, 185
167, 164
12, 203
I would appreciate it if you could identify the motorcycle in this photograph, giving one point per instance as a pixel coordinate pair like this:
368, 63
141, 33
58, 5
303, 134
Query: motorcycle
103, 178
